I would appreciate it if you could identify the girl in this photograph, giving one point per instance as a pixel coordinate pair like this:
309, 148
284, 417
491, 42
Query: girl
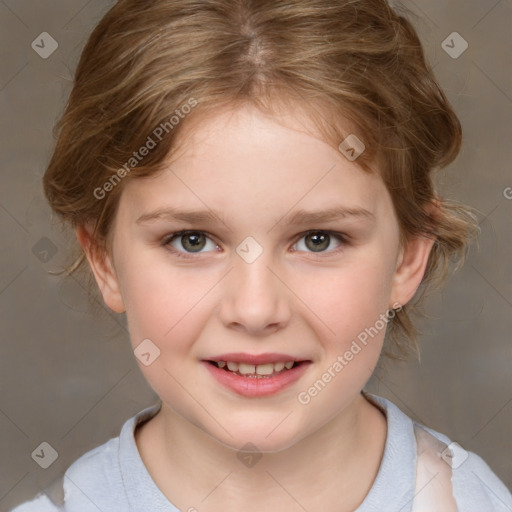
251, 183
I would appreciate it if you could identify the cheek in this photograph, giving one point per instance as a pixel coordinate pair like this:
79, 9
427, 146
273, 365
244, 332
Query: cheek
349, 298
352, 307
163, 306
170, 308
168, 304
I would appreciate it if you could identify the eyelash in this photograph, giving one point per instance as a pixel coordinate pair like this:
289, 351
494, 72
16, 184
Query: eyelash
342, 238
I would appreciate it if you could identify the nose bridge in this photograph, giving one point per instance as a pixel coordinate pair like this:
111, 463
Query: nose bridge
255, 298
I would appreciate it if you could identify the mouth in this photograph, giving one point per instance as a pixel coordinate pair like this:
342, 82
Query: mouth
256, 371
256, 375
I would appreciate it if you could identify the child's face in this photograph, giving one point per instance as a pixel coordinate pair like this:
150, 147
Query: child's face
290, 300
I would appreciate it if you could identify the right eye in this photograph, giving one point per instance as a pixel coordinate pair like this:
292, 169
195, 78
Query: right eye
192, 241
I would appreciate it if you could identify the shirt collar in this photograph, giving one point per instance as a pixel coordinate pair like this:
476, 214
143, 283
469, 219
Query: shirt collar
141, 490
393, 488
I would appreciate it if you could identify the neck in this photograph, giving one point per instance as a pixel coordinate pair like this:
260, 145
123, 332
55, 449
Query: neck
334, 467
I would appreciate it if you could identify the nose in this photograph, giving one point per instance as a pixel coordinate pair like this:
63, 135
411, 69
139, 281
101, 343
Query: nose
255, 300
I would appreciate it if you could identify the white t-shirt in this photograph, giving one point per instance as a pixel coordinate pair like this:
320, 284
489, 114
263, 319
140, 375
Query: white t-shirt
113, 478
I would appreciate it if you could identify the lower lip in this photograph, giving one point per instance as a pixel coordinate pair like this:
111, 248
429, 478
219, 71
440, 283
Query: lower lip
254, 386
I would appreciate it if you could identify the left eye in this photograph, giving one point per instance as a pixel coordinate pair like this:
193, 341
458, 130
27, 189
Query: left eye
195, 241
318, 241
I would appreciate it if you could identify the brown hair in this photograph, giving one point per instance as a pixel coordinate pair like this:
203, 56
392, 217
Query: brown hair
346, 61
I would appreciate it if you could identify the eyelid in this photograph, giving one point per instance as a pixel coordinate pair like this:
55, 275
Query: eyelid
337, 234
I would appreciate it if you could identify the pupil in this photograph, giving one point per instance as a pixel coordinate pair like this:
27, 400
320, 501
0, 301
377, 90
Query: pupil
192, 240
319, 239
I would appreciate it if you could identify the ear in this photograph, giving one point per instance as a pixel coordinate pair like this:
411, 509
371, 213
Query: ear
411, 264
103, 270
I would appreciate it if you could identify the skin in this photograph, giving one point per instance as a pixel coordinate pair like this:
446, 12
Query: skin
255, 169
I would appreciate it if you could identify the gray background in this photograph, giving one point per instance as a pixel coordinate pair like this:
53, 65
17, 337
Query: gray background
70, 379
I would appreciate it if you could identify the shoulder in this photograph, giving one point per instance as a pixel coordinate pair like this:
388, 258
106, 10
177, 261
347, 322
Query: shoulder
434, 457
41, 503
86, 482
474, 483
94, 481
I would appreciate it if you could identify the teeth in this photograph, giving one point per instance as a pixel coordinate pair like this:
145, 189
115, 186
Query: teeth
266, 369
279, 366
232, 366
245, 369
251, 369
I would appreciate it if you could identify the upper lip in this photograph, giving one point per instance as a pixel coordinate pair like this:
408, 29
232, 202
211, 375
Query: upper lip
242, 357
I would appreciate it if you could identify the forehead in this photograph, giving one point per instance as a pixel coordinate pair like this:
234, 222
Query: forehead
247, 127
246, 159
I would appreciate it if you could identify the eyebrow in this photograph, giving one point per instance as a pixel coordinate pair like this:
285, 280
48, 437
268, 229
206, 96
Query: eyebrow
294, 218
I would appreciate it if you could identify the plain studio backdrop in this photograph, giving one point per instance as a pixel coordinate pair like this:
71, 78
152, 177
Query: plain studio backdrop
70, 379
